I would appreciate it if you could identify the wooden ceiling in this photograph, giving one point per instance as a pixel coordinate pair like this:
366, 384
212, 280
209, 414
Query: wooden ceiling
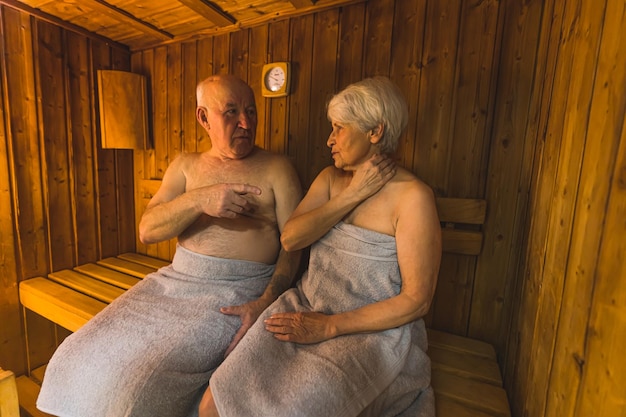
141, 24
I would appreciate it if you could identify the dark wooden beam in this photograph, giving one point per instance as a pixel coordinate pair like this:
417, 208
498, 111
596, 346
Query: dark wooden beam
123, 16
299, 4
210, 12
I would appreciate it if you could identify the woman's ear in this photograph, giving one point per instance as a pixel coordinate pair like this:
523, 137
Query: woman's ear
201, 116
376, 133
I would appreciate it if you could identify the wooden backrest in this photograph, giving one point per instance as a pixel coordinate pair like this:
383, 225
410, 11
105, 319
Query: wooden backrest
461, 224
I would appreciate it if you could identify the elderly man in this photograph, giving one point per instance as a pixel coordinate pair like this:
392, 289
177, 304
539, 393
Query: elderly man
152, 351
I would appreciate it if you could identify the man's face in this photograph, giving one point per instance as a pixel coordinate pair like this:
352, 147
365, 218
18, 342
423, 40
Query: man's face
231, 118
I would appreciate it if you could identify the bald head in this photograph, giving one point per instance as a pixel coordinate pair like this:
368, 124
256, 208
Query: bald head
211, 87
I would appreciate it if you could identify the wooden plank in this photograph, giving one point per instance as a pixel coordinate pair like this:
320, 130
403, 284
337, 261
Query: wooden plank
209, 12
107, 275
592, 230
601, 391
86, 285
127, 267
379, 30
351, 38
58, 181
465, 365
445, 407
189, 82
144, 260
11, 354
57, 303
463, 242
506, 160
460, 344
461, 210
105, 160
28, 392
324, 61
301, 39
9, 404
484, 397
408, 39
257, 57
472, 98
580, 90
83, 148
431, 161
277, 127
126, 18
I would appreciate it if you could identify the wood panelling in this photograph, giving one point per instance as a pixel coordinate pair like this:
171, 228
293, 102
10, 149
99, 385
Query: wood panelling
569, 313
70, 201
516, 102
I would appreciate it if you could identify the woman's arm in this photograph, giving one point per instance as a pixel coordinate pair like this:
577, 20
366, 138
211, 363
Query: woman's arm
319, 211
418, 240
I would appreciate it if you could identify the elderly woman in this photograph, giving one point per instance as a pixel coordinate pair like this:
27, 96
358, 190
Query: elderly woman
349, 340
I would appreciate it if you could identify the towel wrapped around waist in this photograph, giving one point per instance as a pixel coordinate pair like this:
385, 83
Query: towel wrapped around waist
375, 374
151, 351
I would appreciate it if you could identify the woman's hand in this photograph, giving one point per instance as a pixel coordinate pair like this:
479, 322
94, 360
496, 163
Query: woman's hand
304, 328
370, 177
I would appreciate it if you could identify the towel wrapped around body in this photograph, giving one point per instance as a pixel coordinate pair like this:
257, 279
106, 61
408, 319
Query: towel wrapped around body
371, 374
151, 352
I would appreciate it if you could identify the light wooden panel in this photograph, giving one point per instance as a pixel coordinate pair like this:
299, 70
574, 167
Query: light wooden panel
55, 175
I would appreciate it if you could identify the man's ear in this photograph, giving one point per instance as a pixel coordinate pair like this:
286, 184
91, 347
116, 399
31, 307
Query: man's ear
376, 133
201, 116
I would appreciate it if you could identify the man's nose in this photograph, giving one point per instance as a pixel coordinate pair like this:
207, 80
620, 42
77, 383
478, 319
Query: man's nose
244, 121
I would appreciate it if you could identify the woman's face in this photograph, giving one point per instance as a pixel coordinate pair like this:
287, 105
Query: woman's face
349, 146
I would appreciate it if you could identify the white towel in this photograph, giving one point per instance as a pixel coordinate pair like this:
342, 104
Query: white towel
375, 374
152, 351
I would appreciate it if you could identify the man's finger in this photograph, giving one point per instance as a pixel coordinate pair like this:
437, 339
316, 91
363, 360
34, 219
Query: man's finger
245, 189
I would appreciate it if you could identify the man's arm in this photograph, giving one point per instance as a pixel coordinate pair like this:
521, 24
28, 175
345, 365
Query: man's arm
174, 208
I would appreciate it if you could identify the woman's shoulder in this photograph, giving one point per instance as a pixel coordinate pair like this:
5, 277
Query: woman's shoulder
407, 182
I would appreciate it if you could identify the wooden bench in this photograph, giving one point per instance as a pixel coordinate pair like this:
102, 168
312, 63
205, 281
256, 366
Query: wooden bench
465, 373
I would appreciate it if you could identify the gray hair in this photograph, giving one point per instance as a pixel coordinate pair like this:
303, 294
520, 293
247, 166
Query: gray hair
371, 102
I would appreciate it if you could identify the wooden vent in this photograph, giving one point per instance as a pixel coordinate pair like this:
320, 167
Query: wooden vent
123, 110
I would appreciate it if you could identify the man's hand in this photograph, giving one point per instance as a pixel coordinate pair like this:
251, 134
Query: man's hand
227, 200
305, 328
248, 313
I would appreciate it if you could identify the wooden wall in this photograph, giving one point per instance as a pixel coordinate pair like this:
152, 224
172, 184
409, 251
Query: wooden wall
63, 200
520, 102
565, 346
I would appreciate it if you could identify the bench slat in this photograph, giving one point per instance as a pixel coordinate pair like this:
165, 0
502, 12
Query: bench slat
460, 344
461, 210
474, 394
127, 267
110, 276
465, 365
461, 242
445, 407
28, 392
86, 285
144, 260
9, 406
57, 303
